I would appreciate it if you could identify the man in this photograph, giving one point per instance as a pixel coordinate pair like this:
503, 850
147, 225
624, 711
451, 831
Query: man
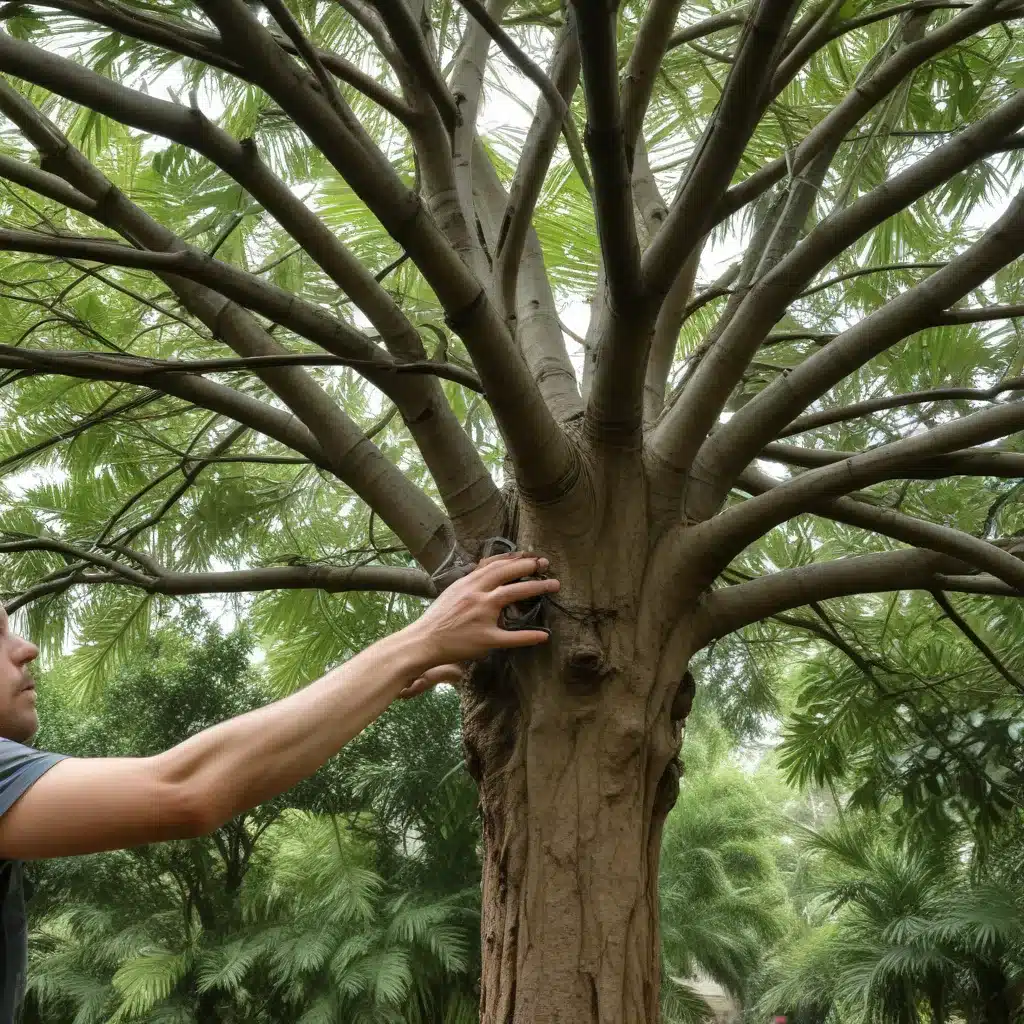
55, 806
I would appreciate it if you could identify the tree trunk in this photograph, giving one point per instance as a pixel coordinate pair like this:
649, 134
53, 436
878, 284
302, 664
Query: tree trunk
574, 748
994, 989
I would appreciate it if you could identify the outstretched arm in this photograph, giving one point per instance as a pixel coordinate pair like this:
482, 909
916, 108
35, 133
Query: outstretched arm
86, 805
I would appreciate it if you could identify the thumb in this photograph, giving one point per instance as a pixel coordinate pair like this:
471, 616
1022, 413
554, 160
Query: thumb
430, 679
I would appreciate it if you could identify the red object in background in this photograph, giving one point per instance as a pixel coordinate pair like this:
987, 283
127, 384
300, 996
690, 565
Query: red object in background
780, 1020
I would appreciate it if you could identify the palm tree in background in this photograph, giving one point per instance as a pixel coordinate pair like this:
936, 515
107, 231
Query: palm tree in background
907, 927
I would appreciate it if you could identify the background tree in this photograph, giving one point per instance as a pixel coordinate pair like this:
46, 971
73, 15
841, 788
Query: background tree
904, 930
260, 195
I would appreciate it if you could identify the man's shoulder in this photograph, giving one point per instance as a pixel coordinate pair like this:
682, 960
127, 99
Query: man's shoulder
14, 756
20, 766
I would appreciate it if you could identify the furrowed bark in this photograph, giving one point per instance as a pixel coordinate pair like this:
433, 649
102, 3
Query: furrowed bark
681, 433
578, 743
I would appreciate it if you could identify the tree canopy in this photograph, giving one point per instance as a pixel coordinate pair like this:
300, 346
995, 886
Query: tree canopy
716, 305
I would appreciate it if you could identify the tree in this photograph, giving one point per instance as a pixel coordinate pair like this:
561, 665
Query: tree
909, 927
190, 274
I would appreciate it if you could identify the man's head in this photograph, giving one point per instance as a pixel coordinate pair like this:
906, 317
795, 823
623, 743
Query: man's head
18, 719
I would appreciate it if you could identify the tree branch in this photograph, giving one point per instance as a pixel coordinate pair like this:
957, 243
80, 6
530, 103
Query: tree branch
653, 37
330, 578
539, 332
919, 533
538, 150
149, 371
844, 413
983, 648
719, 152
610, 154
545, 462
681, 434
737, 442
992, 462
462, 479
865, 271
739, 525
732, 18
548, 88
191, 40
838, 122
730, 608
831, 129
408, 39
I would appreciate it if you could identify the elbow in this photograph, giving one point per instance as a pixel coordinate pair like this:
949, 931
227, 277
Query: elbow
195, 813
189, 810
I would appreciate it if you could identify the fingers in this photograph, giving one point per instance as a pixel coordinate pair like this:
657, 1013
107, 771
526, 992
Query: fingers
506, 568
430, 679
444, 674
521, 638
524, 590
415, 689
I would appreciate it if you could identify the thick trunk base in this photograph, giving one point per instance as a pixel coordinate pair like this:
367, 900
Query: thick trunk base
574, 747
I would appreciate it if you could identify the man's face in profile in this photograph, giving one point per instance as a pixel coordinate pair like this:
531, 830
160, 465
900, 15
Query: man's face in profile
18, 720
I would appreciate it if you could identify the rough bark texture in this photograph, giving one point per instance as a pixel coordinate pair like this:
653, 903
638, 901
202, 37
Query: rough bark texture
575, 749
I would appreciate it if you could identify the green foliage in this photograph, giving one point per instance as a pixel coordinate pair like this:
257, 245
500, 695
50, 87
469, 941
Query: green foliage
903, 925
723, 904
917, 714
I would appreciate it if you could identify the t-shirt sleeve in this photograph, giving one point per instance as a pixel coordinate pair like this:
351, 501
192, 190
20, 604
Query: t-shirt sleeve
20, 766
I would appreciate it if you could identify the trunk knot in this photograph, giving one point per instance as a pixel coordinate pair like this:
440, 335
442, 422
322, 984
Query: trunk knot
683, 700
587, 668
667, 792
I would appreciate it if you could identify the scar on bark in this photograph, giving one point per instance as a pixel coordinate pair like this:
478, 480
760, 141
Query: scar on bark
683, 700
667, 792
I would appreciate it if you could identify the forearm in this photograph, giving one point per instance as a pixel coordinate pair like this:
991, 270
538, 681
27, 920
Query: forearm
254, 757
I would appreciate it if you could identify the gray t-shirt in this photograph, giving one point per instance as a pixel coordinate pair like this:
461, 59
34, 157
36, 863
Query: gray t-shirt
20, 766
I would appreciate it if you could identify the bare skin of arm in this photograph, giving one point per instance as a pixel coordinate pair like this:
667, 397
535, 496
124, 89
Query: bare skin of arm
87, 805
